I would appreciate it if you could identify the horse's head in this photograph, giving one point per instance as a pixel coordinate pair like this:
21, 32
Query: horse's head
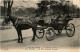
6, 20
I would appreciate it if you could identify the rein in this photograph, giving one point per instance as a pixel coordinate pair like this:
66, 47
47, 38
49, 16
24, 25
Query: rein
16, 22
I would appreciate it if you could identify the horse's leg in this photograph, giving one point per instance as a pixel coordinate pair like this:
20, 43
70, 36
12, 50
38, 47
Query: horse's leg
18, 35
21, 36
34, 33
20, 39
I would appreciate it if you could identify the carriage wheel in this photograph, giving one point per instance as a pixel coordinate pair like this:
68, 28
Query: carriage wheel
70, 30
50, 34
39, 33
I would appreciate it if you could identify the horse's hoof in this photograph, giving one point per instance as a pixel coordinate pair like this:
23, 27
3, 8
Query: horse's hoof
32, 40
21, 42
18, 42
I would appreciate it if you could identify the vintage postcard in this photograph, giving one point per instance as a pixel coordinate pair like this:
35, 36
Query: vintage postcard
40, 25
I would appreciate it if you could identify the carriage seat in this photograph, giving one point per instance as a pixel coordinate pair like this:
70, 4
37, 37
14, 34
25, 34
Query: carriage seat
60, 19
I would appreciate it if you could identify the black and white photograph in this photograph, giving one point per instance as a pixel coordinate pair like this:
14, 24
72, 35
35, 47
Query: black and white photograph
43, 25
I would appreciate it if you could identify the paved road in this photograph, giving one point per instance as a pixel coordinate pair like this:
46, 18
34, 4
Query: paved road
60, 41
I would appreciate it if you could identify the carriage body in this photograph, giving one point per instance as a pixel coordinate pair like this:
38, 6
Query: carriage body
58, 24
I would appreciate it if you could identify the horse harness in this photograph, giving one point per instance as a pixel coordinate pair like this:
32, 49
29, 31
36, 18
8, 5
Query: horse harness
24, 21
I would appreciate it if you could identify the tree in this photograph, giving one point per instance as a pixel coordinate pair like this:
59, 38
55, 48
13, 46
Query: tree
5, 6
8, 4
62, 1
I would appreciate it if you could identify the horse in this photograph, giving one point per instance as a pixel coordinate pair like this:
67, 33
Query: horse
20, 27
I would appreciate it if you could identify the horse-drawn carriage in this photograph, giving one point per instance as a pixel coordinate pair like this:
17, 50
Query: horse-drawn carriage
59, 24
54, 24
